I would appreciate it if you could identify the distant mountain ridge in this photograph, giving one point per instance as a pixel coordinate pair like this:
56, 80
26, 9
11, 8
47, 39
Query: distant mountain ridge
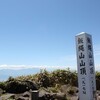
5, 73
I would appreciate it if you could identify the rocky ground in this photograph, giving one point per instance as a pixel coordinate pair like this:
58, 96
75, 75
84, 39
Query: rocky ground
43, 95
65, 93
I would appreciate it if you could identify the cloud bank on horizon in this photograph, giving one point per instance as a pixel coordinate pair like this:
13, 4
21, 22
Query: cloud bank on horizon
21, 67
63, 59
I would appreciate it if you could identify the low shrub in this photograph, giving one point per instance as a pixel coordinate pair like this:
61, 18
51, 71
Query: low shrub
17, 86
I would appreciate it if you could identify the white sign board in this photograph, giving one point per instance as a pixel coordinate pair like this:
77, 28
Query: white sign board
85, 66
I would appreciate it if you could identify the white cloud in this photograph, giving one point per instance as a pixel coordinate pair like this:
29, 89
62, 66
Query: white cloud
18, 67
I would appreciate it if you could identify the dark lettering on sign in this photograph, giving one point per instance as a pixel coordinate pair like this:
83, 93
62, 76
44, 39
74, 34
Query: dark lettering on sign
83, 71
83, 82
80, 40
92, 88
84, 88
81, 48
92, 81
82, 63
90, 55
91, 70
90, 47
91, 63
84, 92
88, 40
81, 56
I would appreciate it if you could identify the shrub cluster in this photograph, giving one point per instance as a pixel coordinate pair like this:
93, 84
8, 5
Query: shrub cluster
17, 86
47, 79
43, 79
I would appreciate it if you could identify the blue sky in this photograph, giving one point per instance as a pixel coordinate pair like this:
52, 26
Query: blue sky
42, 32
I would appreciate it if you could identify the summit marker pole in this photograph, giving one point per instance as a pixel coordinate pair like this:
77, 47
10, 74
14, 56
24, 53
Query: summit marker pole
85, 66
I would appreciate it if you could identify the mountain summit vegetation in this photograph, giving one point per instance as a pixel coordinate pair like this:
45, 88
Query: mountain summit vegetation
49, 81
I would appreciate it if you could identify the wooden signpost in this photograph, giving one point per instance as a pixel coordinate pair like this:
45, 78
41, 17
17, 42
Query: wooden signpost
85, 66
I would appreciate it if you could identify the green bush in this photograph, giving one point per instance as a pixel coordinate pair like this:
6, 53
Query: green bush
2, 85
64, 77
44, 79
98, 80
18, 86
